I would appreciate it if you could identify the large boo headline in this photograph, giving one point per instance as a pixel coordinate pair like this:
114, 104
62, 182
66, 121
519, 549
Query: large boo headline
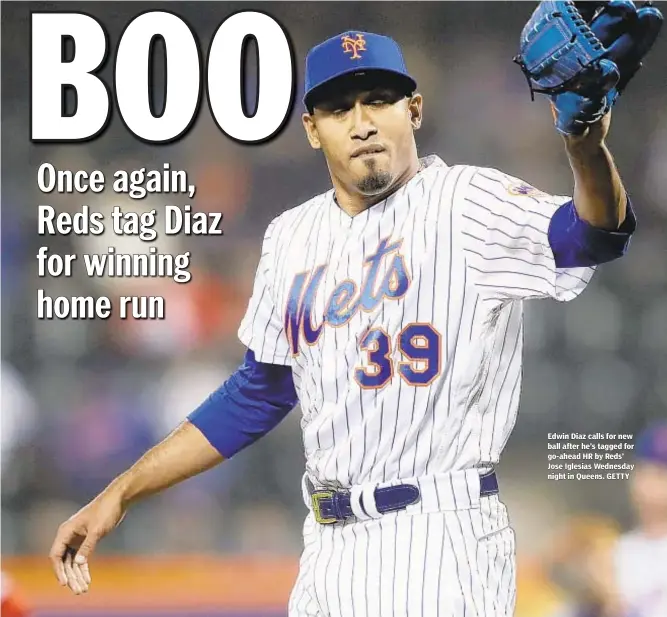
221, 76
68, 52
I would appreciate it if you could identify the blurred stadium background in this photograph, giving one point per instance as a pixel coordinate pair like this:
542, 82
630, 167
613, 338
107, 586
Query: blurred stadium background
81, 400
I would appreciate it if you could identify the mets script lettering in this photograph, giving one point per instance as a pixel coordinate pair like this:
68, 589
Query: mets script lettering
353, 45
344, 301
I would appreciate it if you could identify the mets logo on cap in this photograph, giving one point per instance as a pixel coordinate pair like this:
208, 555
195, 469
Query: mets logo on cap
353, 45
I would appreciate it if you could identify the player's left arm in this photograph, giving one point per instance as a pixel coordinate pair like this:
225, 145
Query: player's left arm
595, 227
599, 196
582, 56
522, 243
519, 242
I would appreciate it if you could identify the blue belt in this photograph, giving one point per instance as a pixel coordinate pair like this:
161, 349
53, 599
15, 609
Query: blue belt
331, 506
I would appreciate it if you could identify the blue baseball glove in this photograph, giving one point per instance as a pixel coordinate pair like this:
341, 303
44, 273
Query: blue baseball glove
582, 55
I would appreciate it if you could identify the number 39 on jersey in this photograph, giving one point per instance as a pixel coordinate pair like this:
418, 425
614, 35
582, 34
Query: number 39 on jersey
418, 344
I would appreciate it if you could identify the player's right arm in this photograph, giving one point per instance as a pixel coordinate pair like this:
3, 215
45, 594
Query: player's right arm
183, 454
254, 400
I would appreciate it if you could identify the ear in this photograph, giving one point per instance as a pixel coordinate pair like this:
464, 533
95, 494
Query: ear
415, 110
311, 131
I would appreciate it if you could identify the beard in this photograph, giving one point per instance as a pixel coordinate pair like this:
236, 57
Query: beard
375, 181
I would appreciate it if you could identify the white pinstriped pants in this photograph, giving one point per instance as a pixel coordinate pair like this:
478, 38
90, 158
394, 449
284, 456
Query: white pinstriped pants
454, 561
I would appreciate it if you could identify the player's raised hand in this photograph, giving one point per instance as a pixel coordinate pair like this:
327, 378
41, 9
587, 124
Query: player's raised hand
78, 536
583, 54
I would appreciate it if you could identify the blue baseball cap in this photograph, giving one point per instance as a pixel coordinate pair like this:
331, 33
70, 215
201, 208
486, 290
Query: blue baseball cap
353, 52
651, 445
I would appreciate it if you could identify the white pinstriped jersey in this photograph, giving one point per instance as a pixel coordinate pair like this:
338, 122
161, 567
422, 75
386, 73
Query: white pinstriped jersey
403, 324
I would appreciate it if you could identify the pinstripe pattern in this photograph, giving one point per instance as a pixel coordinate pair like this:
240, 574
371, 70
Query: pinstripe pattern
474, 245
437, 564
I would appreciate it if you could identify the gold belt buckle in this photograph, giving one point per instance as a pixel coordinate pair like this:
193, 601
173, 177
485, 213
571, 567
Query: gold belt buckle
315, 500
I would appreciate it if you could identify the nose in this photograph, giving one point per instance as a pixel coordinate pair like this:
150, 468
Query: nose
362, 124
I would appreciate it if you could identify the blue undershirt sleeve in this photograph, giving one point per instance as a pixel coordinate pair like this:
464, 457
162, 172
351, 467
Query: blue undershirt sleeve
252, 402
575, 243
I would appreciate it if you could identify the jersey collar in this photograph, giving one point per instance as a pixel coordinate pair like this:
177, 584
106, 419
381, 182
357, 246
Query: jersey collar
426, 164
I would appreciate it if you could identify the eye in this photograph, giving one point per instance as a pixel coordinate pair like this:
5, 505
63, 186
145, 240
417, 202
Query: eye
338, 108
380, 99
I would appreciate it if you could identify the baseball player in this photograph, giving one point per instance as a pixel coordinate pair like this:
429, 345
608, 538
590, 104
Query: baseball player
640, 555
390, 309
